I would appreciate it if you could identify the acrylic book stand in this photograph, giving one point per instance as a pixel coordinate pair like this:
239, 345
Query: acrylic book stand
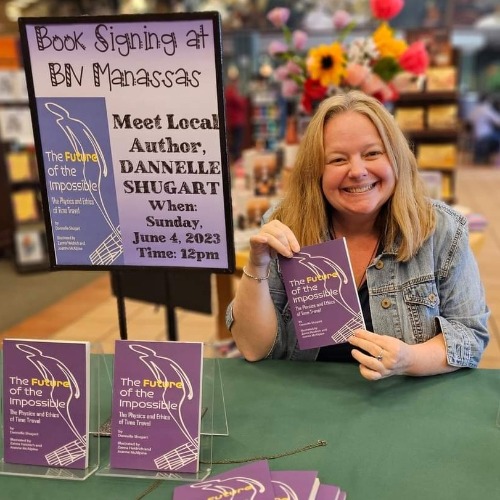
51, 472
213, 422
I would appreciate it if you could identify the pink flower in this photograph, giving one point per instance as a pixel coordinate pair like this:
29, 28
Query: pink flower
372, 84
356, 74
415, 58
293, 68
386, 9
281, 73
278, 16
276, 47
386, 93
341, 19
299, 38
289, 88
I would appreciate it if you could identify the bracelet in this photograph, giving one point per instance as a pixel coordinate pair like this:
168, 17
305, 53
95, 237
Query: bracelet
256, 278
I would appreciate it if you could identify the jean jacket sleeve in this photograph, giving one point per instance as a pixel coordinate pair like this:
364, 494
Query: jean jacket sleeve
463, 314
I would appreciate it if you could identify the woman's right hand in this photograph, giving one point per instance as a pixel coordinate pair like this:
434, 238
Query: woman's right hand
273, 238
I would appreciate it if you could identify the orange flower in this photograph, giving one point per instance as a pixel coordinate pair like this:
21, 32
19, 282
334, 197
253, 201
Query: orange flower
387, 45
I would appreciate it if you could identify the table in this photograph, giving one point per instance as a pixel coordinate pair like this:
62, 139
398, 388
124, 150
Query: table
401, 438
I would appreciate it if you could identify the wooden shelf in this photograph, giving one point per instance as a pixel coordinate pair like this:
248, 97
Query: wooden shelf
432, 136
426, 97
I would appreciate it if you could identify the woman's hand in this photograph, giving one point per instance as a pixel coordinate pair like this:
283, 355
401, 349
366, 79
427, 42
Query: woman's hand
389, 356
273, 237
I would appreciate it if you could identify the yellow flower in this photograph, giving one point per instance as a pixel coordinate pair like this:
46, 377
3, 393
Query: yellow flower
326, 63
387, 45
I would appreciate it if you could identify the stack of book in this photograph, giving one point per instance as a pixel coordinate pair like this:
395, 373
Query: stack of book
255, 480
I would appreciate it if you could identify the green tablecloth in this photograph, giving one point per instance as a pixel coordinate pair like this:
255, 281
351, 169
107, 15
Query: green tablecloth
397, 439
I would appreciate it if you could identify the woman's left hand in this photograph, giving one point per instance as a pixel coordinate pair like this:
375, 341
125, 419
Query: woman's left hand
387, 355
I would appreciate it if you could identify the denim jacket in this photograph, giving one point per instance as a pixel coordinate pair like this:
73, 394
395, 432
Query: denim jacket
437, 291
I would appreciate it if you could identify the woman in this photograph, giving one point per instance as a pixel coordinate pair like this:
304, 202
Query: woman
419, 286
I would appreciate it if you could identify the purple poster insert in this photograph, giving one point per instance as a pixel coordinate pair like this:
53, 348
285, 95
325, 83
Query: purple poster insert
249, 482
156, 409
80, 180
322, 294
46, 403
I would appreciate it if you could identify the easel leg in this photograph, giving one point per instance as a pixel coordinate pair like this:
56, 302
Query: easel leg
120, 302
225, 293
170, 310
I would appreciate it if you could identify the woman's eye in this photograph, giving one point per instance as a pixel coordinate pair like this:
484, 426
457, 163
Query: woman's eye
336, 161
373, 154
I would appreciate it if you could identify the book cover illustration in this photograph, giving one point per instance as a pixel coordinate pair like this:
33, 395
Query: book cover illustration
157, 405
46, 402
81, 193
248, 482
295, 484
322, 294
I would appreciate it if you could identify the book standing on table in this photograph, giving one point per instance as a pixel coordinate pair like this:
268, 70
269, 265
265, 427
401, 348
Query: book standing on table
46, 402
156, 412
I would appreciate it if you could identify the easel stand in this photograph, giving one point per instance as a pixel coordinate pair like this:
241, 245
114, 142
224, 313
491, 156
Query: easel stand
188, 289
213, 422
171, 319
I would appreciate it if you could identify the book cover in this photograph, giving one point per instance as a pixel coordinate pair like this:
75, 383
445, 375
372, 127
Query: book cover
437, 156
248, 482
322, 293
442, 116
19, 167
46, 402
329, 492
441, 79
295, 484
25, 206
410, 118
156, 406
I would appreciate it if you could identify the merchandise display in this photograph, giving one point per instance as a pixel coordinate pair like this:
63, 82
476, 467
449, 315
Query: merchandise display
167, 418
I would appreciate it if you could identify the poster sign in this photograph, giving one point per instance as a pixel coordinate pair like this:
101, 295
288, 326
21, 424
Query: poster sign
128, 114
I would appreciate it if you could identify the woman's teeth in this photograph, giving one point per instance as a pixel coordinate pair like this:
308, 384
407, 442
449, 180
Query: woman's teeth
360, 189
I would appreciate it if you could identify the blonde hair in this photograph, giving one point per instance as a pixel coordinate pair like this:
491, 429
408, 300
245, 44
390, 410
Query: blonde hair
407, 218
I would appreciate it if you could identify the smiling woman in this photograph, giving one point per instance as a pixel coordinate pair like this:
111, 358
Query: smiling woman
356, 177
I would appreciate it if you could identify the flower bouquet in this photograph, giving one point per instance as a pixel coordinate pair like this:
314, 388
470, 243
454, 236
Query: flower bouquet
367, 63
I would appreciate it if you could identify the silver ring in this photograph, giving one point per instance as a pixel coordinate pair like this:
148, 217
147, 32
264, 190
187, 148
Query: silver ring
380, 357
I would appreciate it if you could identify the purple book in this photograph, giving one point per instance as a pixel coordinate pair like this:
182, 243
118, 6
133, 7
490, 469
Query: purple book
46, 402
329, 492
249, 482
295, 484
322, 294
156, 408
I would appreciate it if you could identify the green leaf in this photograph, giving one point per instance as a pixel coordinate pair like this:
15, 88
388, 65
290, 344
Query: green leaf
387, 68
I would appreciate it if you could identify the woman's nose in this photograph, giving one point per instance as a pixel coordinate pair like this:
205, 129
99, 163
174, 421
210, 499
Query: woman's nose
357, 167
